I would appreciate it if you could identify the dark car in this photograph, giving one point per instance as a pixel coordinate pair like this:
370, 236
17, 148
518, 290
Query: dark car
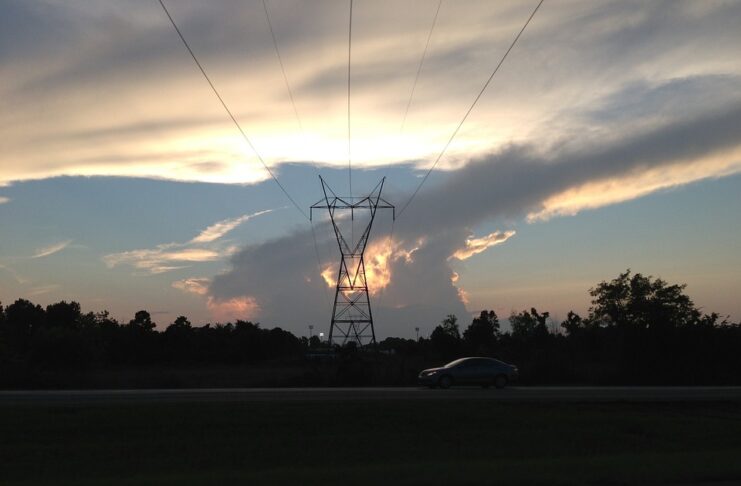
470, 371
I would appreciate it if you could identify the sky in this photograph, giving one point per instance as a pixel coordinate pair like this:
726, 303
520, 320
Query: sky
610, 138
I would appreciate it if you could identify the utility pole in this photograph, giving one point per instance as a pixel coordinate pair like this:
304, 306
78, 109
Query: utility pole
416, 329
352, 318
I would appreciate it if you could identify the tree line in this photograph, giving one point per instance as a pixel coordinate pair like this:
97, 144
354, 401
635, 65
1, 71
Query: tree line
639, 329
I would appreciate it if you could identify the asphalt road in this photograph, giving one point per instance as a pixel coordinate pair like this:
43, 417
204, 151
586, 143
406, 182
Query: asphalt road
510, 394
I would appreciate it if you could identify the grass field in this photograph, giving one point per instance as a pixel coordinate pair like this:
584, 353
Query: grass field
380, 442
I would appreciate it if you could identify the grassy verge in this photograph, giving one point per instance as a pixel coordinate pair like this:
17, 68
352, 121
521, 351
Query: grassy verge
379, 442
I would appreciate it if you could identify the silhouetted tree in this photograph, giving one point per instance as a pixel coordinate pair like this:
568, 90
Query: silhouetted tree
4, 348
641, 302
446, 337
529, 324
22, 319
482, 334
640, 330
142, 321
64, 314
177, 340
573, 323
180, 324
24, 314
450, 326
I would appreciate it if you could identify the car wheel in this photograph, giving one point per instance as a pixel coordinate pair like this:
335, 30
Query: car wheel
500, 381
445, 382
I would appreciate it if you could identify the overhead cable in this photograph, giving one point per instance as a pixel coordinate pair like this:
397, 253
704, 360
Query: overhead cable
349, 133
280, 61
229, 112
320, 265
419, 68
481, 92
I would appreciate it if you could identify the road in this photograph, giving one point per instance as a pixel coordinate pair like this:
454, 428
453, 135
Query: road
510, 394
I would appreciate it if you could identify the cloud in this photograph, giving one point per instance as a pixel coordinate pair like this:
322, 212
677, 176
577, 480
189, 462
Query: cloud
167, 257
19, 279
161, 258
599, 103
25, 286
475, 246
64, 59
41, 290
519, 180
516, 182
221, 310
198, 286
379, 257
218, 230
603, 192
244, 308
4, 200
51, 249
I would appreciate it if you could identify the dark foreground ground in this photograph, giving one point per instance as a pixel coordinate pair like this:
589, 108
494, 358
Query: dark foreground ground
334, 394
383, 441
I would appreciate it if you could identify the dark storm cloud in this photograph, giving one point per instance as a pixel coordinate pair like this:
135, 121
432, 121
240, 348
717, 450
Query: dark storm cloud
517, 180
508, 184
680, 97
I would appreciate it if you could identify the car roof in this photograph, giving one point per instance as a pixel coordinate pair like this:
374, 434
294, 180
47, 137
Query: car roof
469, 358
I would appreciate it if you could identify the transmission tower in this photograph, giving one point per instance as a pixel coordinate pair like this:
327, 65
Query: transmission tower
352, 318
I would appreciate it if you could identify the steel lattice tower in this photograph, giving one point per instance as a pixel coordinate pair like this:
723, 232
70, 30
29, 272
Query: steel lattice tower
352, 318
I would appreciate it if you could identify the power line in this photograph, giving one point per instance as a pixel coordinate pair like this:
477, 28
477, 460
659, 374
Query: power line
409, 104
320, 265
282, 68
349, 136
349, 132
419, 68
445, 148
228, 111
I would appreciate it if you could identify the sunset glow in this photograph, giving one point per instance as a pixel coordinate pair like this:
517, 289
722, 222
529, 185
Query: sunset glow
612, 131
379, 258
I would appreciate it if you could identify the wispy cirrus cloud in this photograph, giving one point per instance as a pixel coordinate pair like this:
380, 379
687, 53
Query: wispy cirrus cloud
475, 246
41, 290
51, 249
218, 230
26, 287
162, 258
18, 278
205, 247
